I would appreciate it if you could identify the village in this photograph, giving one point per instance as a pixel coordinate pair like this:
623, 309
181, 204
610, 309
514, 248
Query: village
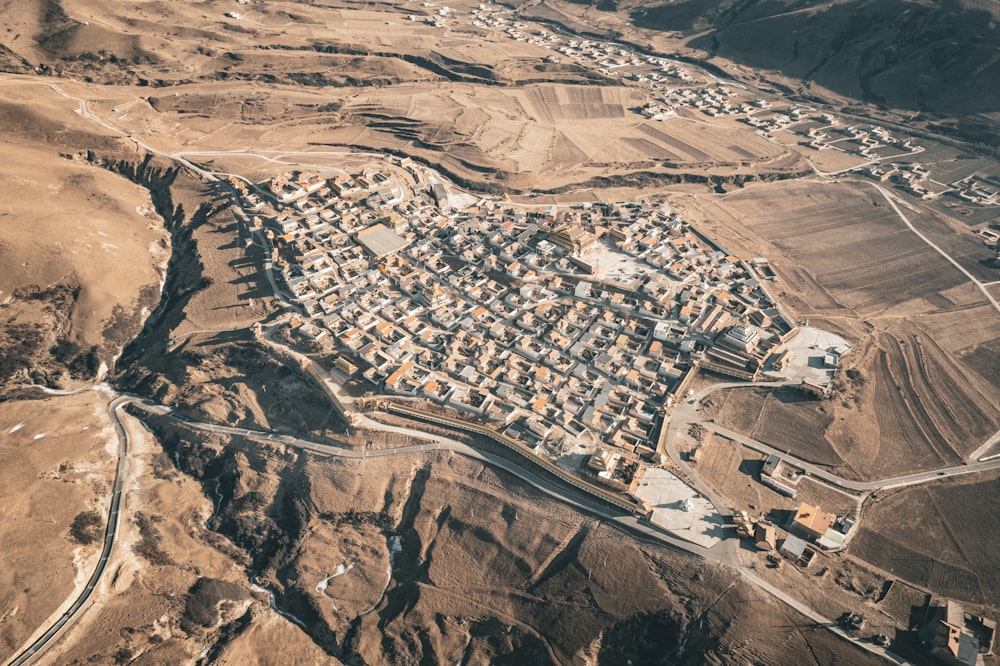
573, 331
677, 90
568, 329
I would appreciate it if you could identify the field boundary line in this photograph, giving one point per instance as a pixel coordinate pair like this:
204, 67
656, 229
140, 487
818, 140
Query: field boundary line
944, 254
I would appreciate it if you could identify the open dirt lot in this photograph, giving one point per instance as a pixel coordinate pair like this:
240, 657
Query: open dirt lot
785, 419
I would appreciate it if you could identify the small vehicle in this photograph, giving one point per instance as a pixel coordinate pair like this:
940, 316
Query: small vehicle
880, 639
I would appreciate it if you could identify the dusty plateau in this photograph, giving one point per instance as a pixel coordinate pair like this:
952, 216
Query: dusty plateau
160, 356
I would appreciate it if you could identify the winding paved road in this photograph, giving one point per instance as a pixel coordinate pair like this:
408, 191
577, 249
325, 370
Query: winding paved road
685, 414
110, 533
723, 552
856, 486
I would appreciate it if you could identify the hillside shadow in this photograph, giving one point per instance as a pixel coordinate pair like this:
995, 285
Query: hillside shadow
919, 57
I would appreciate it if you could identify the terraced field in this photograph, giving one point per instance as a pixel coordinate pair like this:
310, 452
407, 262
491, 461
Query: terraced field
926, 385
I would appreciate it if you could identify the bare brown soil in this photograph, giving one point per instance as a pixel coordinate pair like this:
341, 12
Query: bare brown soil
784, 419
56, 466
916, 392
486, 567
734, 471
937, 536
83, 250
172, 589
470, 569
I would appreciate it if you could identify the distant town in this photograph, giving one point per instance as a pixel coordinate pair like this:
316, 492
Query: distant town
673, 86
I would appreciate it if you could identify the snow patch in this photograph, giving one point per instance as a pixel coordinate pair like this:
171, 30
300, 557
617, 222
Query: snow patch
321, 586
395, 543
17, 427
270, 595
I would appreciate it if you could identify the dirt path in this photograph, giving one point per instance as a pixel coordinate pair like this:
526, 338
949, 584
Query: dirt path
982, 287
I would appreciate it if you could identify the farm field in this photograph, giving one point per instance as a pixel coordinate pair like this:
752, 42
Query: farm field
936, 536
784, 419
924, 384
539, 135
909, 409
860, 256
733, 471
433, 557
831, 160
948, 171
957, 242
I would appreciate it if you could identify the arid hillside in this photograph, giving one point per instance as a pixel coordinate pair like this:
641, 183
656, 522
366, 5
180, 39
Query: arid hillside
408, 559
910, 54
492, 111
123, 260
84, 251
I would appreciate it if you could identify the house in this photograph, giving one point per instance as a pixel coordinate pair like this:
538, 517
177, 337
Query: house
572, 238
740, 337
810, 522
764, 536
344, 365
797, 550
956, 637
781, 360
439, 194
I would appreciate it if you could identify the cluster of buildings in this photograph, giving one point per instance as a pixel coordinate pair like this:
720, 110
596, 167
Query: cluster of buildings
808, 525
867, 139
770, 120
512, 315
672, 86
824, 529
780, 476
979, 189
611, 59
955, 637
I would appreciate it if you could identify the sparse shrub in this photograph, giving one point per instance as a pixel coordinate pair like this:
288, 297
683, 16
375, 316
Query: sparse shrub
87, 527
204, 599
121, 326
149, 544
18, 350
85, 365
64, 350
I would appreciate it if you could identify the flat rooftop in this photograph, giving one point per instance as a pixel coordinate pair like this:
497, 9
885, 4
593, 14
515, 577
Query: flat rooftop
380, 240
